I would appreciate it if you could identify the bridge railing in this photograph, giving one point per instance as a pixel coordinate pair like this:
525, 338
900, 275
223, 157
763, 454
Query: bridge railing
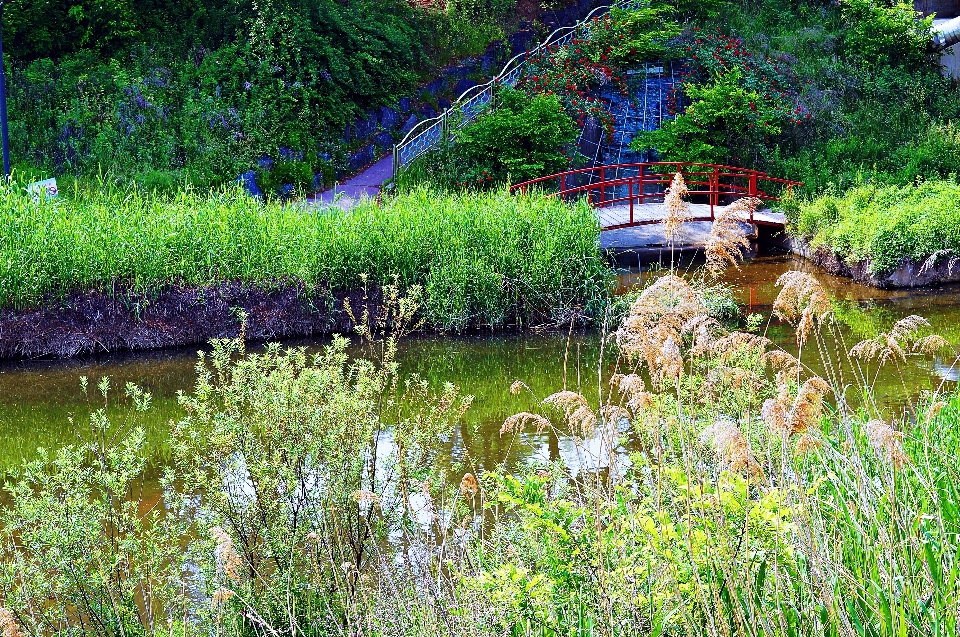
471, 103
605, 186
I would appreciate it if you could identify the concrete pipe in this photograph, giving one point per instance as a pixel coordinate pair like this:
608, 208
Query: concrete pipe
946, 34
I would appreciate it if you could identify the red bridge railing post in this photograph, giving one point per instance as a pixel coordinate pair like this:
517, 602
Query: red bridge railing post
715, 190
640, 194
602, 179
630, 185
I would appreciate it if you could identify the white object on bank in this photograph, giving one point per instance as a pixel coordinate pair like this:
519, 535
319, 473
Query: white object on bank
46, 188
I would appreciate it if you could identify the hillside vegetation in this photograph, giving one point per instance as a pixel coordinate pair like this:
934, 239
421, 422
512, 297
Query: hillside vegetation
824, 93
166, 92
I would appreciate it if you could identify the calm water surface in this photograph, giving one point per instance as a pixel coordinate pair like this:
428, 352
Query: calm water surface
38, 399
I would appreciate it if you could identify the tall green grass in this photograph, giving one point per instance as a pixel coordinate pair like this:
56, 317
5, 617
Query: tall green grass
482, 259
885, 225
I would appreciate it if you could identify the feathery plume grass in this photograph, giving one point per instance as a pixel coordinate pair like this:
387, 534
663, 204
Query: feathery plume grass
775, 412
517, 386
806, 443
802, 302
731, 447
8, 624
469, 486
517, 422
614, 413
365, 497
727, 241
628, 384
658, 314
934, 410
790, 417
736, 342
566, 400
582, 421
669, 361
633, 387
887, 442
703, 328
785, 365
228, 558
575, 407
932, 344
900, 341
676, 206
220, 597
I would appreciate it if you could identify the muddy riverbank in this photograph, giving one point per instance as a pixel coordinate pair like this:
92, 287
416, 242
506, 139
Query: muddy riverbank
97, 323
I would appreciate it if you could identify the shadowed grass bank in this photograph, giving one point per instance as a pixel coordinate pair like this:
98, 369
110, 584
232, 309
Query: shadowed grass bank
481, 260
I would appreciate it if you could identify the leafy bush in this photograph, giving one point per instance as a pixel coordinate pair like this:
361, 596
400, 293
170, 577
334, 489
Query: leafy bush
209, 87
841, 94
738, 102
484, 258
293, 505
78, 546
522, 138
882, 34
519, 138
886, 225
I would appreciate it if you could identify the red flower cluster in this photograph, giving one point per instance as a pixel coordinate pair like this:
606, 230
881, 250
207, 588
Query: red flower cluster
574, 70
713, 55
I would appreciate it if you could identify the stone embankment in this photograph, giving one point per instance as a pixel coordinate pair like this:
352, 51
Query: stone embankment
908, 275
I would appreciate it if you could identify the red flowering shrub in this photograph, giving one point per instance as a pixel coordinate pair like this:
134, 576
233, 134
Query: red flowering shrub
737, 104
599, 58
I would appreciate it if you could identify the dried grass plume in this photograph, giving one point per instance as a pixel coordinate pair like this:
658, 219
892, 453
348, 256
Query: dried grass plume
677, 208
517, 422
8, 624
887, 442
732, 448
227, 557
727, 241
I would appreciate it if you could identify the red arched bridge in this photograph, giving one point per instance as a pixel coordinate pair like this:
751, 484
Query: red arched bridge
628, 195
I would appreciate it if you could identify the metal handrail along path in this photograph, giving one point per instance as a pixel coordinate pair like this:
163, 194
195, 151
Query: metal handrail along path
468, 106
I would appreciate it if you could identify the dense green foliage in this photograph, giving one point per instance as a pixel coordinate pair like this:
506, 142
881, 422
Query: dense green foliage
311, 494
886, 225
821, 93
521, 138
529, 132
481, 259
169, 91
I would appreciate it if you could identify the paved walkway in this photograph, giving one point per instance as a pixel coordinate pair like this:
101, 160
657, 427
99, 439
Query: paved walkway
365, 185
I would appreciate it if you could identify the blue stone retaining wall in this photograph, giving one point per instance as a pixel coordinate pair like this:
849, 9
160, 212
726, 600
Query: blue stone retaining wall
382, 127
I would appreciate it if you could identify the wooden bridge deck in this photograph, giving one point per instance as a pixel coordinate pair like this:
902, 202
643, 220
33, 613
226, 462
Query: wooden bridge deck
614, 217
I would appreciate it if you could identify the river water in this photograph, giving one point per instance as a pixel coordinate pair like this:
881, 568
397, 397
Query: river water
38, 399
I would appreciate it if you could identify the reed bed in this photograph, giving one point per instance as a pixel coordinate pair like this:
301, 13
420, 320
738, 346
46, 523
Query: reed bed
719, 488
481, 258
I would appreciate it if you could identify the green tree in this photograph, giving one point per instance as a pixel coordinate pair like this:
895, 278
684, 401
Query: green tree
523, 138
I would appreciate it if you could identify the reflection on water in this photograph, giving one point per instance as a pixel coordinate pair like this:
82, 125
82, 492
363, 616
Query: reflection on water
38, 399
